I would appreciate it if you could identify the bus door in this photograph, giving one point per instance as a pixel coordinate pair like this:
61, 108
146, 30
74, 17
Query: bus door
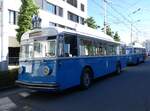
68, 65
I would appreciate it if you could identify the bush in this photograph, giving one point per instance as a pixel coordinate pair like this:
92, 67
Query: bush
8, 78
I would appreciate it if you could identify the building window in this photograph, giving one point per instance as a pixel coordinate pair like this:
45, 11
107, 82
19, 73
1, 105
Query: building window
82, 7
60, 11
51, 8
73, 17
54, 9
82, 21
13, 16
72, 2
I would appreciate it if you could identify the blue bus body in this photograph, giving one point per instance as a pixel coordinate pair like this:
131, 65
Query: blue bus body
63, 71
135, 57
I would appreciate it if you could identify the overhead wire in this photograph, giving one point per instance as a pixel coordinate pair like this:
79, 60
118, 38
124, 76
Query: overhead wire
115, 17
120, 14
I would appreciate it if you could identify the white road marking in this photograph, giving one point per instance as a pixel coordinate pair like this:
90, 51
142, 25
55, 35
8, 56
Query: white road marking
24, 94
6, 104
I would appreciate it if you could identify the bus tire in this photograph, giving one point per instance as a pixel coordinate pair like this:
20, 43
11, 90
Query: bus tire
86, 78
118, 68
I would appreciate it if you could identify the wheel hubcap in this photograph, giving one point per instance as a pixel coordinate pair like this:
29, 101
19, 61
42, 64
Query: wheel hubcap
86, 80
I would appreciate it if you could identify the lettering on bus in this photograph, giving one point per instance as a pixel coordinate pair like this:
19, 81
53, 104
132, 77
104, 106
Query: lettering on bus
35, 34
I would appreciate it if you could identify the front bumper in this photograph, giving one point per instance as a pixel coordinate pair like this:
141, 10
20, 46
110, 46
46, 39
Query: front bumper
38, 86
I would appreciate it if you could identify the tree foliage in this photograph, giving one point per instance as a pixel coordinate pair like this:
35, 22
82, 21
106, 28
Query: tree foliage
116, 37
91, 23
109, 31
27, 10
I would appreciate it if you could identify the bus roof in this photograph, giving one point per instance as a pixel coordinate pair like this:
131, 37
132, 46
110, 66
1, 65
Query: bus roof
136, 45
52, 31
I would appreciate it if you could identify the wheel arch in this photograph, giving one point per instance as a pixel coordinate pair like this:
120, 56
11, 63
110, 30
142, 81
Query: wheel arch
90, 68
119, 63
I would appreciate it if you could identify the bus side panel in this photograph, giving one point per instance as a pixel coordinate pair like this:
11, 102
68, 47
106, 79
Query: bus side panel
104, 66
112, 63
123, 61
132, 59
98, 65
68, 72
141, 59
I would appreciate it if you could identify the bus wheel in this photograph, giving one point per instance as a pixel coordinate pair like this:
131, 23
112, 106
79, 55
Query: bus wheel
86, 78
118, 68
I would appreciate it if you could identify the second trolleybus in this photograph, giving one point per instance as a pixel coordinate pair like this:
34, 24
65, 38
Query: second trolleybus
136, 54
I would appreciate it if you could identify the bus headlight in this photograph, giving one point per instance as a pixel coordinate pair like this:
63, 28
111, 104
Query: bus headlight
47, 70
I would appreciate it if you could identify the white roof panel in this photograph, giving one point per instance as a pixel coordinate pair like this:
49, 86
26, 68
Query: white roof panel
51, 31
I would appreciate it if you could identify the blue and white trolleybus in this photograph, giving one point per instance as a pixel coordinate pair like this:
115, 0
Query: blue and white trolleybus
136, 54
56, 59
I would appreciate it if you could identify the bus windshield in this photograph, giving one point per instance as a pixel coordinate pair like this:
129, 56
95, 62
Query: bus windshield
26, 51
38, 49
44, 49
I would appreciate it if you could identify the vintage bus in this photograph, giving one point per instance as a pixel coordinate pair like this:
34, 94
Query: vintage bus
55, 59
136, 54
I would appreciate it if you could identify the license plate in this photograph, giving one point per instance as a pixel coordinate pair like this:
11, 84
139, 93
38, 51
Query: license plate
28, 68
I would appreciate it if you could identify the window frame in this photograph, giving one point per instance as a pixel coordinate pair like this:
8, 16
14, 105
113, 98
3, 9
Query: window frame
73, 17
13, 17
62, 41
82, 7
73, 3
51, 8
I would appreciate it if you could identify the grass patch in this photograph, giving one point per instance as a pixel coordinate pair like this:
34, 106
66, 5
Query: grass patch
8, 78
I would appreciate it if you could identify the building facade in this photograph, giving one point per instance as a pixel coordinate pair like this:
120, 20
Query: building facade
146, 44
68, 14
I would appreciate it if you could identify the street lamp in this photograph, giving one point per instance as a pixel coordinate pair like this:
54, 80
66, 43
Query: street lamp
133, 22
132, 29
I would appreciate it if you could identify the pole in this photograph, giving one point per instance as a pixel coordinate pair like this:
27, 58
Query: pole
132, 30
104, 16
131, 34
1, 5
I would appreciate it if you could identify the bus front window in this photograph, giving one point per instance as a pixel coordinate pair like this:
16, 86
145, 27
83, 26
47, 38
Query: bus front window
26, 51
45, 49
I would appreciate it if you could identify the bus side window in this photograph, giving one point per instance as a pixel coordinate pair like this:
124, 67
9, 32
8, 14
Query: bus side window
70, 45
60, 46
86, 47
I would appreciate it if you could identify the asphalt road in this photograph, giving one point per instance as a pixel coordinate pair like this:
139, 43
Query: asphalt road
129, 91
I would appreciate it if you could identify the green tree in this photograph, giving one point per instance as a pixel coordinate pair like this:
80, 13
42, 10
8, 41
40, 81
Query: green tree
91, 23
109, 31
116, 37
27, 10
